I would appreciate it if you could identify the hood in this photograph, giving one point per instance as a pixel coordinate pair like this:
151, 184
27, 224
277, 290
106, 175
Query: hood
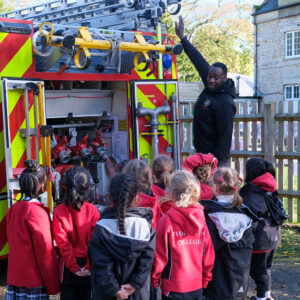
230, 226
266, 181
206, 192
227, 87
190, 219
125, 247
199, 160
158, 190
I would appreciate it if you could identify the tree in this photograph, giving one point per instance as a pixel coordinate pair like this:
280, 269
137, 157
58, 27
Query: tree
221, 32
4, 7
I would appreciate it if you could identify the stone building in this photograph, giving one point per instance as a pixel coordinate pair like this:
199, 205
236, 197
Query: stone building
277, 50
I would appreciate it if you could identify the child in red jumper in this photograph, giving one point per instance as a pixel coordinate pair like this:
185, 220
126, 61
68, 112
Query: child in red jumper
143, 175
162, 167
73, 224
32, 265
184, 255
203, 166
261, 187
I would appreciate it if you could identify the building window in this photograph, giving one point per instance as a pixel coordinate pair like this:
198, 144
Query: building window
292, 92
292, 44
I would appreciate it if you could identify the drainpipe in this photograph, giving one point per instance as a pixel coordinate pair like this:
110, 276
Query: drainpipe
255, 55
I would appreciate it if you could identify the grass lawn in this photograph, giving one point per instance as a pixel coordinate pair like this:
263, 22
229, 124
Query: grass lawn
296, 201
290, 246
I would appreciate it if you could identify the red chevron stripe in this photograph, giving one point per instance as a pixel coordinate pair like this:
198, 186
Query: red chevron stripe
3, 236
2, 175
10, 46
151, 89
17, 116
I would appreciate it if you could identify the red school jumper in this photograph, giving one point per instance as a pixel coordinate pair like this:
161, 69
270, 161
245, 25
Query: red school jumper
32, 258
72, 231
184, 255
151, 202
159, 192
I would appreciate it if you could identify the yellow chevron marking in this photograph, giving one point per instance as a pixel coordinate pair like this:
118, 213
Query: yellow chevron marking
4, 190
13, 99
19, 143
4, 250
2, 36
3, 209
174, 75
143, 75
21, 61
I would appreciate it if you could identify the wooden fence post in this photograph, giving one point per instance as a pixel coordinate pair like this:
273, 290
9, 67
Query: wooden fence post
269, 132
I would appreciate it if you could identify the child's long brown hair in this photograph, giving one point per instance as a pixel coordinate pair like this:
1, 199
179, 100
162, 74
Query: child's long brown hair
141, 172
228, 182
162, 167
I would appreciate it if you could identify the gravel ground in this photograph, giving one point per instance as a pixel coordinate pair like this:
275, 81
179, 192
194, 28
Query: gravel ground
285, 280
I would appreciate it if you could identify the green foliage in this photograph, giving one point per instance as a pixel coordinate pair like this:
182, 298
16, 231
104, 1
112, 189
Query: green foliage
222, 33
4, 7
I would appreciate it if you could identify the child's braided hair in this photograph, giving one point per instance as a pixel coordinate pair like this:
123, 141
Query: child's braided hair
31, 179
75, 186
123, 190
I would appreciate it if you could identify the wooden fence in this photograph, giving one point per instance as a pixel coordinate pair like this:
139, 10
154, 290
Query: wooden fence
268, 130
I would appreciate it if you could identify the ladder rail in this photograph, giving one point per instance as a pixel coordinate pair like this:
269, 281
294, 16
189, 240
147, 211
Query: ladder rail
95, 13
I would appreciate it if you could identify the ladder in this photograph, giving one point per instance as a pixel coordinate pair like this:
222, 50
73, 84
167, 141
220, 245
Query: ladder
112, 14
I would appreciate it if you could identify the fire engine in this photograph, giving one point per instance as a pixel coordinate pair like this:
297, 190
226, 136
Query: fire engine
86, 82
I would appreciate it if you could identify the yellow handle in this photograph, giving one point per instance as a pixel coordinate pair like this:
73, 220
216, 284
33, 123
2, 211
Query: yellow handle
82, 53
136, 61
48, 35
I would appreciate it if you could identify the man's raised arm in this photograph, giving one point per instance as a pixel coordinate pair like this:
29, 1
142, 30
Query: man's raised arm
194, 55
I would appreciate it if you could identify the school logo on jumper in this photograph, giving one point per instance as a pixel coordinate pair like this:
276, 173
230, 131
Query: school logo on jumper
207, 102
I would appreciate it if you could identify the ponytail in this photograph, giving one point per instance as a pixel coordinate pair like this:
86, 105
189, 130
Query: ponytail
76, 184
228, 182
162, 167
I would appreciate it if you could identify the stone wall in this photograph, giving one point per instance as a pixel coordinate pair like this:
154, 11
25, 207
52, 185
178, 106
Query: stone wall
274, 70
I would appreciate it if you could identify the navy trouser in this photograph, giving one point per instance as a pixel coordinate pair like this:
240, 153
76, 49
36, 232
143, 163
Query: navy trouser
75, 292
260, 271
194, 295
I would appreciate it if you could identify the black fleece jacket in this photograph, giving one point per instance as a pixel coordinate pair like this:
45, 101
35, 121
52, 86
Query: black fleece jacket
232, 257
267, 236
118, 259
214, 111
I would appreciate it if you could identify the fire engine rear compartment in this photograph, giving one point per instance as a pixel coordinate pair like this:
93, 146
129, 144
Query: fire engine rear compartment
90, 124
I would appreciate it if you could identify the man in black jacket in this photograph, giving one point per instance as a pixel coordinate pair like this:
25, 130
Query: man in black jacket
215, 109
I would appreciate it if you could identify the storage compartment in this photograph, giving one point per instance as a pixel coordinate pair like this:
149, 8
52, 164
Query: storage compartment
86, 131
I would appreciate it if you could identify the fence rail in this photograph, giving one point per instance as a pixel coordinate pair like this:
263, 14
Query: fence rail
268, 130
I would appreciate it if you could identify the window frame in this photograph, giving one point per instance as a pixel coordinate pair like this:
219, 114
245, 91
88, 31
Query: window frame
293, 88
293, 33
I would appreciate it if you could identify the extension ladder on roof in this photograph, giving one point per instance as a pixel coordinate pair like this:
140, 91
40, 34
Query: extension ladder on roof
113, 14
